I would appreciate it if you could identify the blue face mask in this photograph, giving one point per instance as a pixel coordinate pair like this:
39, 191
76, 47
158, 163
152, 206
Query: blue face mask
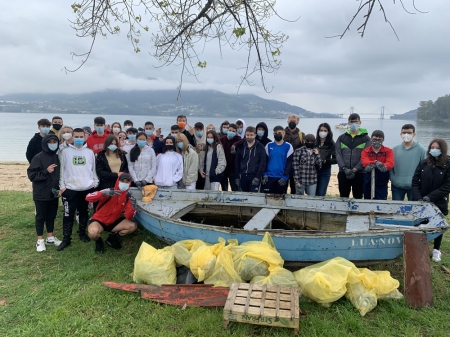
141, 143
180, 145
174, 135
112, 147
52, 147
123, 186
224, 131
199, 133
354, 127
435, 152
239, 131
260, 133
132, 137
100, 129
78, 142
231, 134
45, 130
149, 132
210, 140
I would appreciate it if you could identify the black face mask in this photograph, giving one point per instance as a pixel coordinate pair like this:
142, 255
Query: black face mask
57, 127
309, 145
278, 136
292, 125
170, 147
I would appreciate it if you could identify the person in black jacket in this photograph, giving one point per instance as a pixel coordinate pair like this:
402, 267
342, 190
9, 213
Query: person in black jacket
250, 162
431, 183
35, 144
43, 172
110, 163
327, 151
262, 133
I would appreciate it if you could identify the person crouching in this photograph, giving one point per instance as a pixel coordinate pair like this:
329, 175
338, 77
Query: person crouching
108, 215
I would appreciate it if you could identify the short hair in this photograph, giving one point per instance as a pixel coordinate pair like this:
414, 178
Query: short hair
232, 125
278, 128
78, 130
239, 122
127, 121
225, 122
199, 125
377, 133
174, 127
310, 138
149, 123
99, 120
354, 116
56, 117
250, 129
181, 116
132, 130
44, 122
409, 126
297, 117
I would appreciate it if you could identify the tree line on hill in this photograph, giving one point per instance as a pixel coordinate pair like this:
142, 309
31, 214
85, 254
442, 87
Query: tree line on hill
434, 111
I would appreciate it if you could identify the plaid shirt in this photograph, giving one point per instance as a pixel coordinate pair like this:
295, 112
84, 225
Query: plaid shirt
304, 164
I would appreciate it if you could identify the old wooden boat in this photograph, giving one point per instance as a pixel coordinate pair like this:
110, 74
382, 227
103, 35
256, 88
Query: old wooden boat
304, 229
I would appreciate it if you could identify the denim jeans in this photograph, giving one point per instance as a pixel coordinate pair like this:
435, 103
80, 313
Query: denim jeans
323, 179
309, 189
399, 193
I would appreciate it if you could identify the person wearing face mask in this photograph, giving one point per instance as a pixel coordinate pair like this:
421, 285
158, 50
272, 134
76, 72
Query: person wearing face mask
65, 137
250, 162
43, 172
110, 163
142, 162
261, 133
115, 211
327, 151
149, 129
348, 156
407, 156
223, 130
210, 127
279, 163
57, 123
296, 138
214, 162
431, 183
190, 162
229, 175
241, 127
200, 146
305, 163
130, 142
159, 144
115, 129
189, 133
381, 159
78, 178
127, 124
96, 140
35, 143
169, 165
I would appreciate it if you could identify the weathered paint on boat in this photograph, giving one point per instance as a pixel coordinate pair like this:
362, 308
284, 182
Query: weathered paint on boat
383, 241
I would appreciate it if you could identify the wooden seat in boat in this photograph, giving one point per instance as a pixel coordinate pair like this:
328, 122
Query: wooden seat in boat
262, 219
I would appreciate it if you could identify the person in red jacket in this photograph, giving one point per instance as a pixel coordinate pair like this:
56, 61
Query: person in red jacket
97, 138
381, 159
108, 215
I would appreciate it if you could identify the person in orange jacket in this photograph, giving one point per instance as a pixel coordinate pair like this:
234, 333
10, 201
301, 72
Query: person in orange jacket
381, 159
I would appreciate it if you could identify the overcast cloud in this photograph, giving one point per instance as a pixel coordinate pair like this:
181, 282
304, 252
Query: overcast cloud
318, 73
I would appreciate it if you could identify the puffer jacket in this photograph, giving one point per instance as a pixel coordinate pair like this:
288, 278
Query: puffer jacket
43, 181
293, 137
263, 140
144, 168
250, 161
106, 177
190, 165
348, 149
434, 182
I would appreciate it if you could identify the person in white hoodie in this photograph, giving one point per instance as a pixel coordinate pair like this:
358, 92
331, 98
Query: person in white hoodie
78, 178
190, 162
142, 162
241, 127
169, 166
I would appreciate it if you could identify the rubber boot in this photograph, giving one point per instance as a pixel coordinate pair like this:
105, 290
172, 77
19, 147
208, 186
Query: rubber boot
99, 246
82, 230
67, 232
149, 192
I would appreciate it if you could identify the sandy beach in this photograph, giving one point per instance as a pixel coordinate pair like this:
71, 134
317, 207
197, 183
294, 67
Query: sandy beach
14, 178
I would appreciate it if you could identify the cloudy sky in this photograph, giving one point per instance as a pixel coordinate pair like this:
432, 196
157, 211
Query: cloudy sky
318, 73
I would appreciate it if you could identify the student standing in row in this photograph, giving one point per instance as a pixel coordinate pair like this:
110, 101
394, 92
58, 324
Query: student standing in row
142, 162
190, 162
327, 151
35, 143
214, 162
227, 142
57, 123
200, 147
306, 163
65, 137
110, 163
169, 165
296, 138
96, 140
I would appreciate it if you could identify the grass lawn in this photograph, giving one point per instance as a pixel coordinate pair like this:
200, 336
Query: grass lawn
60, 294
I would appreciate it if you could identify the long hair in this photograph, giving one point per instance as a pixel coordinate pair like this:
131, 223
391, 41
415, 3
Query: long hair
442, 159
164, 148
329, 139
108, 142
215, 137
136, 150
112, 126
60, 133
181, 137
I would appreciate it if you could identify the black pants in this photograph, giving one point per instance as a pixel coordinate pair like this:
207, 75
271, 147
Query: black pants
246, 183
292, 181
45, 214
72, 201
200, 184
231, 178
354, 185
272, 186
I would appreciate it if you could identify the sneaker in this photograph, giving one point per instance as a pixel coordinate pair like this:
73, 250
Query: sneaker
40, 245
99, 246
436, 255
113, 241
53, 240
84, 237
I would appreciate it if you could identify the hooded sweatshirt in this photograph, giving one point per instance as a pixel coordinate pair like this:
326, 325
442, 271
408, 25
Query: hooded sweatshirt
250, 161
95, 141
263, 140
110, 209
43, 181
77, 169
406, 161
244, 126
349, 148
34, 146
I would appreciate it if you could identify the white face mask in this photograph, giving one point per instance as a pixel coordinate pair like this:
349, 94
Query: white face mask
67, 136
125, 128
323, 134
407, 137
116, 130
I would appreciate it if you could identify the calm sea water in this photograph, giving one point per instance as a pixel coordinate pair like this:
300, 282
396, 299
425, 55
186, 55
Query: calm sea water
19, 128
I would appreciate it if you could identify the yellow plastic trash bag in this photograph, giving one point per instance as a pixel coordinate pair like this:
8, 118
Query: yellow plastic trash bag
154, 266
325, 282
277, 276
253, 258
148, 192
380, 281
183, 250
224, 274
203, 260
362, 298
393, 295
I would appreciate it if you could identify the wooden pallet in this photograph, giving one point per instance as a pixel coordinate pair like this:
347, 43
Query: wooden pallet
263, 305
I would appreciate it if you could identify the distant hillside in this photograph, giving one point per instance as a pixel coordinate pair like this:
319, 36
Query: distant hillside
163, 102
410, 115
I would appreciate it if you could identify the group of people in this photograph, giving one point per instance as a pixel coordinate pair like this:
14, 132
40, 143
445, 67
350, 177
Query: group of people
99, 166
